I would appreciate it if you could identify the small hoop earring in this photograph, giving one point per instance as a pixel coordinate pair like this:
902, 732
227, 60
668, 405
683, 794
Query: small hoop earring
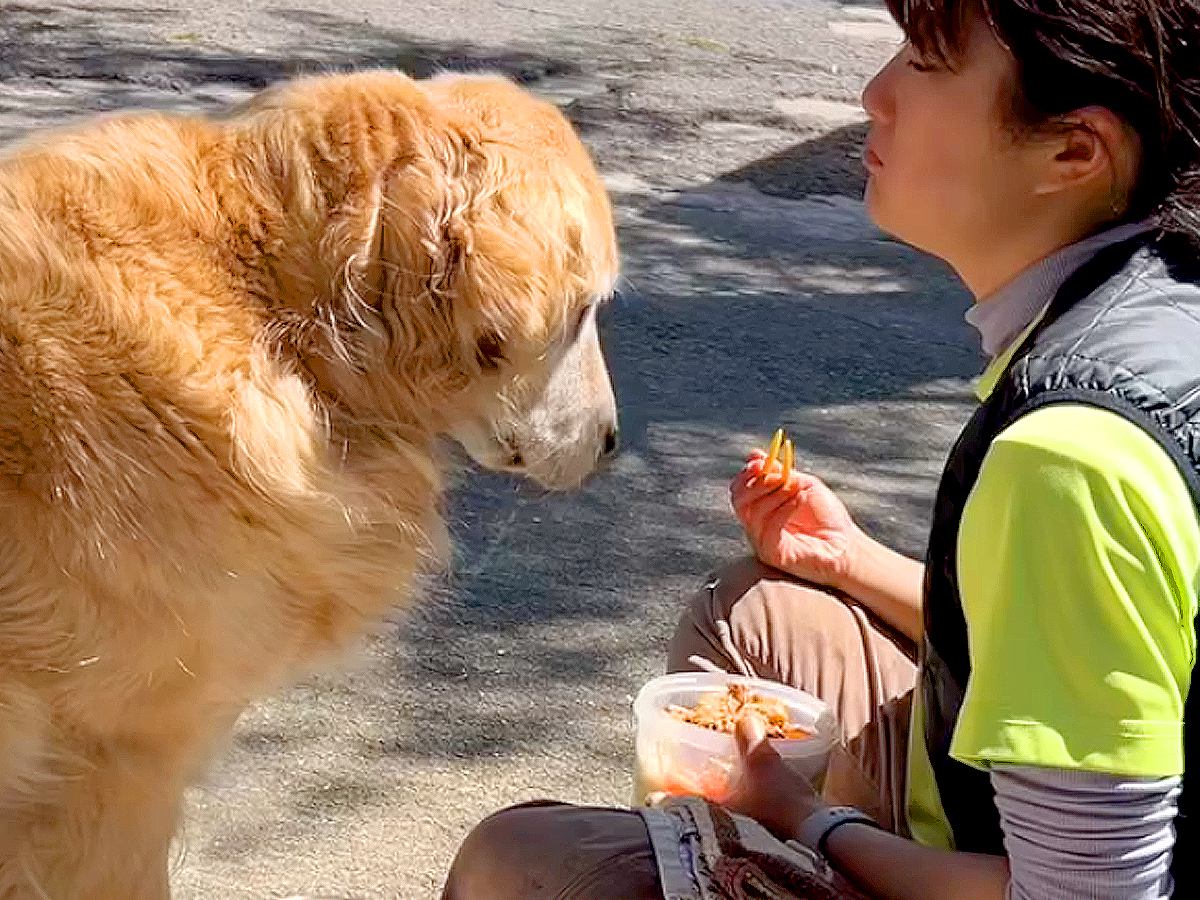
1115, 203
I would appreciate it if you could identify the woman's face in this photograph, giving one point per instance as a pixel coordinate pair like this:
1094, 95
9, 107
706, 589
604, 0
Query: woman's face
945, 175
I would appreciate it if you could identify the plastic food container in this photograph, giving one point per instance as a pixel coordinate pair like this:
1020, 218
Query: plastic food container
678, 757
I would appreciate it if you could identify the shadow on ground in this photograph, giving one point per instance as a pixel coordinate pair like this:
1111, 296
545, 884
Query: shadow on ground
63, 62
829, 164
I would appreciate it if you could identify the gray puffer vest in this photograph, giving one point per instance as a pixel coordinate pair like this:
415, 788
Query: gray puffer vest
1122, 334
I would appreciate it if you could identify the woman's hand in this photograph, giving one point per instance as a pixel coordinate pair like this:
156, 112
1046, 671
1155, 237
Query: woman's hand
795, 522
882, 864
767, 789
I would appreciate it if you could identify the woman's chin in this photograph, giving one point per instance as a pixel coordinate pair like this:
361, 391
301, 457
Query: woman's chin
890, 221
873, 205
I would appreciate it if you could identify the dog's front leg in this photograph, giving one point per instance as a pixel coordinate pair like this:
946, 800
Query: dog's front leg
102, 831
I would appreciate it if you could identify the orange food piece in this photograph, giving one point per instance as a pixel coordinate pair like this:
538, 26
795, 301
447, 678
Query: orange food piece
712, 784
721, 710
772, 452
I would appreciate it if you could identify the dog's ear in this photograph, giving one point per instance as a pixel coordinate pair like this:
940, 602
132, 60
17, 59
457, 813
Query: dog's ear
460, 252
351, 244
458, 272
326, 281
415, 268
384, 283
354, 192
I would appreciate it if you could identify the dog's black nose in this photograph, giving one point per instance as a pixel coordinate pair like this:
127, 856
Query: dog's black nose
611, 443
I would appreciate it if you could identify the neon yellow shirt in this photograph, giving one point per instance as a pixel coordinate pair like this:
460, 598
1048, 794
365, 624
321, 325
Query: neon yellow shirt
1078, 565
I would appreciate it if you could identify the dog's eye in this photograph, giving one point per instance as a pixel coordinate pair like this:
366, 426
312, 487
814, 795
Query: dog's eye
489, 351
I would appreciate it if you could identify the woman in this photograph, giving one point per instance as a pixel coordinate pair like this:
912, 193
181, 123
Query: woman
1049, 150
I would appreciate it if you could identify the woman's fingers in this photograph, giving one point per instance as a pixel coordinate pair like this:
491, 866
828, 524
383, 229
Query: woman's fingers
750, 733
747, 486
761, 515
775, 521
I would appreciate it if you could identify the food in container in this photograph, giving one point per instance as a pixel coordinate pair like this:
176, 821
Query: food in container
685, 742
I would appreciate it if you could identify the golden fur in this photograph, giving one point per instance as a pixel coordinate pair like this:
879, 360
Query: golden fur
227, 350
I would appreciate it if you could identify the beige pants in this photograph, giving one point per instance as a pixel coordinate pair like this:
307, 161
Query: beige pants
747, 616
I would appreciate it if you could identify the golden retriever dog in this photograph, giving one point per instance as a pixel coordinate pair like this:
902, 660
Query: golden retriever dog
229, 351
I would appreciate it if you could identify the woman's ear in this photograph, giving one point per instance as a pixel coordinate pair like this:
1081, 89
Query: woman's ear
1092, 150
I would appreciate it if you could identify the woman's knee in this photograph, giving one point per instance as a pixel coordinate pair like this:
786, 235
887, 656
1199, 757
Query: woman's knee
548, 850
489, 861
748, 612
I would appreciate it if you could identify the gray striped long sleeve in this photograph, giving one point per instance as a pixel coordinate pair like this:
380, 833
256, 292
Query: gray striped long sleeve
1071, 834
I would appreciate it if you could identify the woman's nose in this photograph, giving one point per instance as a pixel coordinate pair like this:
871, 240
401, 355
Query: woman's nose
876, 96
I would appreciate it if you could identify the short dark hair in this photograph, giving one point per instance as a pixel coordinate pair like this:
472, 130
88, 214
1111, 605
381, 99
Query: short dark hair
1138, 58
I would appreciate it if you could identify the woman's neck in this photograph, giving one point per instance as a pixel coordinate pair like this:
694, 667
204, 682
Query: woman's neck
988, 268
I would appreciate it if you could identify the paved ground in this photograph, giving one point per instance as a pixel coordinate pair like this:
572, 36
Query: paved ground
755, 295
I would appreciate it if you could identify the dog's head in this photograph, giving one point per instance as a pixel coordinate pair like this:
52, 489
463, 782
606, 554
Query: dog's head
470, 242
535, 255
